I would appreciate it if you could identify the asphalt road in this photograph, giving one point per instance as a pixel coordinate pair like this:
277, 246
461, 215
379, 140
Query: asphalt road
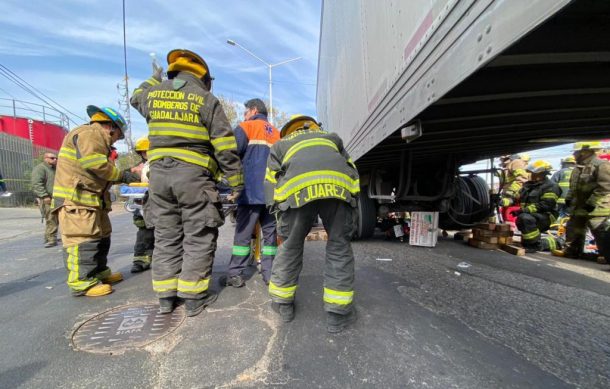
503, 322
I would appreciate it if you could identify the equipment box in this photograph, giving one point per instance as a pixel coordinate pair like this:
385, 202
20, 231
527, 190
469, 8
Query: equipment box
424, 229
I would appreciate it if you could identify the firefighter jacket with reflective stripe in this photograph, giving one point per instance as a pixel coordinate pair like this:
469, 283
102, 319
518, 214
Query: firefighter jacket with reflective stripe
590, 188
84, 173
43, 176
540, 197
514, 176
309, 165
187, 122
562, 178
254, 140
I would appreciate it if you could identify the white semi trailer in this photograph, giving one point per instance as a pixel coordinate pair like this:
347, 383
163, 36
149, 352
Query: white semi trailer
418, 88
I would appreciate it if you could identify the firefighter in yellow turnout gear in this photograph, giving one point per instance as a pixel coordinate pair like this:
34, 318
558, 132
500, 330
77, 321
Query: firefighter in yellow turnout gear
588, 201
191, 145
513, 177
309, 174
82, 202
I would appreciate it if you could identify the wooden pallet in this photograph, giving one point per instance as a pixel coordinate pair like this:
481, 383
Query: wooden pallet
490, 236
317, 233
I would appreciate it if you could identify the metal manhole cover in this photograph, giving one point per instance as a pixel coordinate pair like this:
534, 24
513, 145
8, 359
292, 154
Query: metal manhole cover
125, 327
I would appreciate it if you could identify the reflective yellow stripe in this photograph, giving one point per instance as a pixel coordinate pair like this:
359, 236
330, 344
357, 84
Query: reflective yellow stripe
235, 179
532, 208
224, 143
600, 212
152, 81
193, 286
169, 285
349, 160
177, 129
338, 297
564, 184
137, 91
92, 160
308, 143
67, 153
550, 196
519, 172
552, 244
561, 201
515, 186
116, 174
316, 177
72, 264
270, 176
282, 292
184, 155
76, 195
531, 235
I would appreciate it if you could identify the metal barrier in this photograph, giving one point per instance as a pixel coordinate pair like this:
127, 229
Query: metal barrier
18, 157
20, 108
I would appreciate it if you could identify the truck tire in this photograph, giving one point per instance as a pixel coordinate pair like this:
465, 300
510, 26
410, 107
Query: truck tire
366, 217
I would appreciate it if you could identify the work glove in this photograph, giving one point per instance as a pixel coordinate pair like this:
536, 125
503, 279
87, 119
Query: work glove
234, 195
516, 212
139, 222
589, 208
47, 200
568, 203
157, 72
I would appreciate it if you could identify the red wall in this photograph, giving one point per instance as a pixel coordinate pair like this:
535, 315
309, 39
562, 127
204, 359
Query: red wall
43, 134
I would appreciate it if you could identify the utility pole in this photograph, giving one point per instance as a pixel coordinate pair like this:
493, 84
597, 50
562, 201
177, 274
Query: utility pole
123, 89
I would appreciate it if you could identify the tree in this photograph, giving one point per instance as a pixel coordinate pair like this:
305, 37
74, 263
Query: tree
231, 109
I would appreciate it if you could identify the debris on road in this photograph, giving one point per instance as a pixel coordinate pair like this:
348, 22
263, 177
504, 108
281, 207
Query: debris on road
464, 265
514, 250
490, 236
317, 233
385, 259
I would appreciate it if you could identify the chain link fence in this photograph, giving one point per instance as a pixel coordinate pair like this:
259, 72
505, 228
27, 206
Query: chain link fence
18, 157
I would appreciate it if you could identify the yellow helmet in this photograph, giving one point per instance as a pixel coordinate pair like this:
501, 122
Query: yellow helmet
298, 122
182, 60
569, 159
539, 166
142, 144
588, 145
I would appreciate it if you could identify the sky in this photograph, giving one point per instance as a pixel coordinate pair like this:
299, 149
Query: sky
72, 50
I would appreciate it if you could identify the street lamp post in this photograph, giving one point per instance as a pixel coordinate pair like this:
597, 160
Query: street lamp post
270, 67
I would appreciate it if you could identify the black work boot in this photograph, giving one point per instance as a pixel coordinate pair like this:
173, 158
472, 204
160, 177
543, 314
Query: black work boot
286, 311
166, 305
195, 307
139, 267
234, 281
336, 323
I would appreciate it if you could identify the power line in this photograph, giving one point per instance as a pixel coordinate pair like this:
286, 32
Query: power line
13, 74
